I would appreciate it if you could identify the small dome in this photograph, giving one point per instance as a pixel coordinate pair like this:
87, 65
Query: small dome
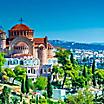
1, 31
20, 27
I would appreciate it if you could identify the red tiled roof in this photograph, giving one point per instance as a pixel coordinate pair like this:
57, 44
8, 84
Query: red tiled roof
39, 40
20, 27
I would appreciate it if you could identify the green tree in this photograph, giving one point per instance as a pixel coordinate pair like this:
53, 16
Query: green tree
4, 77
15, 100
68, 65
20, 73
49, 87
100, 77
84, 73
64, 61
57, 71
41, 83
9, 72
30, 83
78, 82
75, 77
5, 95
82, 97
6, 73
2, 60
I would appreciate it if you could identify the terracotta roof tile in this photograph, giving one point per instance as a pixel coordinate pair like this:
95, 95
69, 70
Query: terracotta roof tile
50, 45
1, 31
21, 55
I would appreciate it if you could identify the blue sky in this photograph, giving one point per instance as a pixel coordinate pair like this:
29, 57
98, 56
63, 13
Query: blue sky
73, 20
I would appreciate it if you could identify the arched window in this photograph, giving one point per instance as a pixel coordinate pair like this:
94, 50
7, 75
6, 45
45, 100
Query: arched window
21, 32
34, 71
17, 32
21, 62
14, 33
49, 70
41, 48
24, 33
45, 70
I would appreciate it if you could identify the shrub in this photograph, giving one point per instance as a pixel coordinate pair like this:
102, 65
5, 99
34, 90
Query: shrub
32, 100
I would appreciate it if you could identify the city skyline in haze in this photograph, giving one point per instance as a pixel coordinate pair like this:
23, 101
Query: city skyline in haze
70, 20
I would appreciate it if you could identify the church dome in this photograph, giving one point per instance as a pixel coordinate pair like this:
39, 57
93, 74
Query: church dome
20, 30
20, 27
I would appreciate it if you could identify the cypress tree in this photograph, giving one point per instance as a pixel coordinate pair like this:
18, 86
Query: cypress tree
23, 90
93, 74
93, 67
27, 85
72, 59
49, 88
84, 71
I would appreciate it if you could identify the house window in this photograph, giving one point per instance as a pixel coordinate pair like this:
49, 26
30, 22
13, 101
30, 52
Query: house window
41, 71
45, 70
32, 71
28, 71
8, 62
15, 62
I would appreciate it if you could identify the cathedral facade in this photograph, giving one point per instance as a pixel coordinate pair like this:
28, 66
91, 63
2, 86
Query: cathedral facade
21, 45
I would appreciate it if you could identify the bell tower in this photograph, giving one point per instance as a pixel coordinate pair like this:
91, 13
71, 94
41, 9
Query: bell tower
2, 40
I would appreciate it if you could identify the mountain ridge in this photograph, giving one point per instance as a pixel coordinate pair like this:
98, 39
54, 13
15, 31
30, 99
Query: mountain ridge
77, 45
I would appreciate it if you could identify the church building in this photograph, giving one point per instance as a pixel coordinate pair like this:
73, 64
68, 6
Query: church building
22, 45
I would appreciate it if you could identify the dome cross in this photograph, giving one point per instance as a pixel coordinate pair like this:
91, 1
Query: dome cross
21, 20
